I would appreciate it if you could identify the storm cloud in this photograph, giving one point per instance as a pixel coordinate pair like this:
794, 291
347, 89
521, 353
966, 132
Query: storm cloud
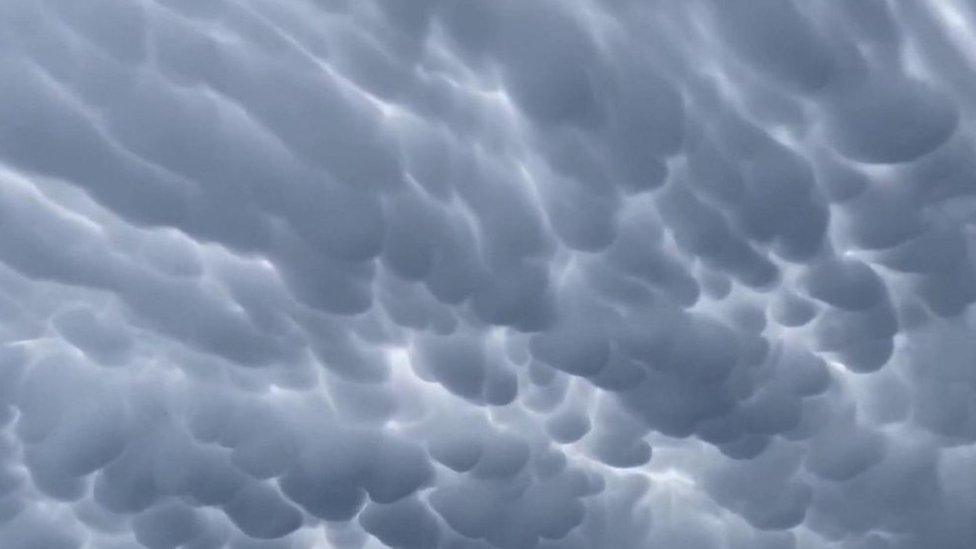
487, 274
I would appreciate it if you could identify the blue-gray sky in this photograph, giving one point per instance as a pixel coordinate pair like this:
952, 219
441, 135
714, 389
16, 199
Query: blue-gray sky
475, 274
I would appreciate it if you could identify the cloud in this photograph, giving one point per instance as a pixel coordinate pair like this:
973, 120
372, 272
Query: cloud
486, 274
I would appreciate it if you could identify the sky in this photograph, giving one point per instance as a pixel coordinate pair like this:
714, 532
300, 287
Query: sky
487, 274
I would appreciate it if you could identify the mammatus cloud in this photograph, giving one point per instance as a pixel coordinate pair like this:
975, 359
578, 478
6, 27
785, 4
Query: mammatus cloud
487, 274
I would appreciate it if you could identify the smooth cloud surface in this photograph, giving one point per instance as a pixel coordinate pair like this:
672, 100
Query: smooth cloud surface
487, 274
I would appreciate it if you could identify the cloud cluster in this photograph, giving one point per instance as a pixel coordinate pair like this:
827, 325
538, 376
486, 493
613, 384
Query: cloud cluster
491, 274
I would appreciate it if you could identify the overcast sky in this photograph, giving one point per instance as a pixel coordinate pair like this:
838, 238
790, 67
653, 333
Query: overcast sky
475, 274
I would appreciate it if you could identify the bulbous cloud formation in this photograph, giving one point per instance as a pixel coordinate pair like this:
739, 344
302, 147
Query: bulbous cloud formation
487, 274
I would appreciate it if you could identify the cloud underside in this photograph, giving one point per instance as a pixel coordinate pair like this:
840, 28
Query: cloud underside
487, 274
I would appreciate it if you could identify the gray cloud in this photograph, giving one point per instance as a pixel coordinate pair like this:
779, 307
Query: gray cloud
487, 274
